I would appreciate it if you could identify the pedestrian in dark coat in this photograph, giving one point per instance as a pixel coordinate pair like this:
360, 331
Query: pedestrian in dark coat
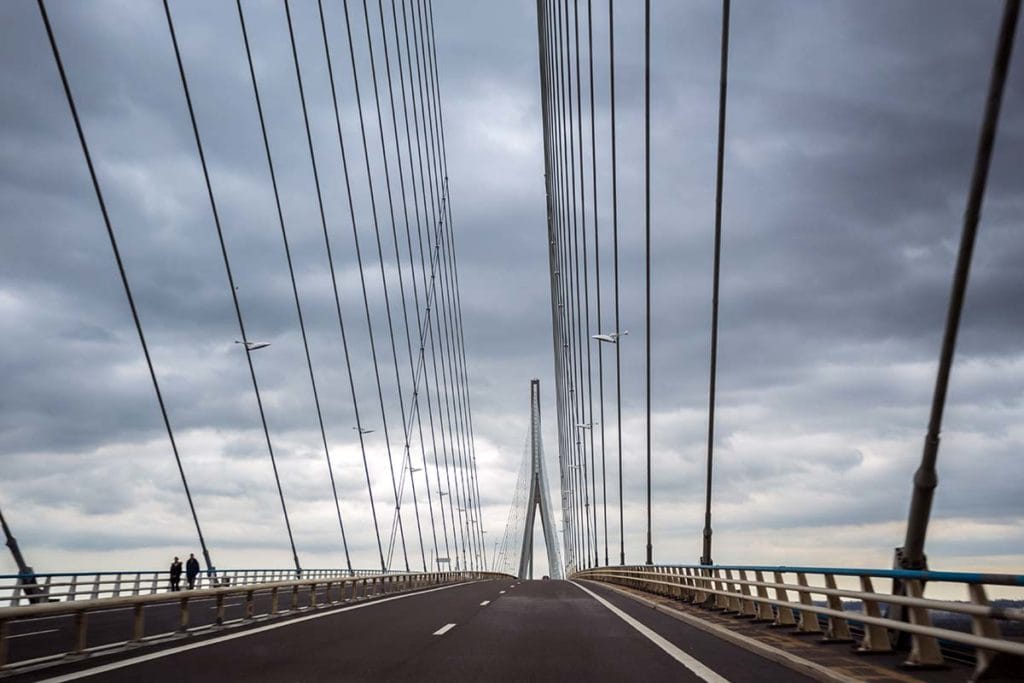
191, 570
176, 574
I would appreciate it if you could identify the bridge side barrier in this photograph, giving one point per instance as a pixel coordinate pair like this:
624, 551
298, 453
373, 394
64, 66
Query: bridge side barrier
286, 597
745, 592
95, 585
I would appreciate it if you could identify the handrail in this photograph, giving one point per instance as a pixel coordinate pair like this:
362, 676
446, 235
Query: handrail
336, 590
16, 589
729, 588
202, 572
902, 574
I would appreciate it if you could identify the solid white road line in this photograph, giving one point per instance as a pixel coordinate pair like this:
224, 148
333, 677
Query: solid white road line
485, 603
444, 629
33, 633
686, 660
213, 641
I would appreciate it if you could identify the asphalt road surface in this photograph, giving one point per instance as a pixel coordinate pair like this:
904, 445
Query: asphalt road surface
485, 631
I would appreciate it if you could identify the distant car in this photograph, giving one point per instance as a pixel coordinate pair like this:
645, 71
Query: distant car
545, 577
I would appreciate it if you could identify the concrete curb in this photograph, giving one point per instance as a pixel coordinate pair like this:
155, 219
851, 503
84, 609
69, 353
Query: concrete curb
789, 660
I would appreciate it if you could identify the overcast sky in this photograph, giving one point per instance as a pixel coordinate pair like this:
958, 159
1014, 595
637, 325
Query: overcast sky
850, 141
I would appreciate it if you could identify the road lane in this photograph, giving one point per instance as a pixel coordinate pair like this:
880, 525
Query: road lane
363, 639
541, 630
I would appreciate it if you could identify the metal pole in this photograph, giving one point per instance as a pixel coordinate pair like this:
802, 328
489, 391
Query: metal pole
705, 557
12, 543
647, 247
911, 555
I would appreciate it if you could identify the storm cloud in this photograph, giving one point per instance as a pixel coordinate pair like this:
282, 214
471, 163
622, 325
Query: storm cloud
850, 140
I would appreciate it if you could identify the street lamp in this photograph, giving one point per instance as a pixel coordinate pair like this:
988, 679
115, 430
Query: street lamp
252, 346
362, 431
611, 338
586, 425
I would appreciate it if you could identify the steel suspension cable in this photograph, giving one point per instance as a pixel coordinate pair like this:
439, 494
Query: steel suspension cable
124, 276
443, 338
330, 263
543, 64
568, 347
437, 351
281, 222
344, 339
615, 261
460, 340
446, 298
562, 358
585, 338
705, 557
408, 236
384, 284
647, 251
423, 271
911, 555
597, 277
574, 262
560, 274
387, 301
366, 300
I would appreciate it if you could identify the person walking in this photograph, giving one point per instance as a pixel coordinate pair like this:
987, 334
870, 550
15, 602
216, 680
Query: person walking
176, 575
191, 570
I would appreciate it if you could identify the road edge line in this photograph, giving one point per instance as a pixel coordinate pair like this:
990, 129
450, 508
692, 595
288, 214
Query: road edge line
124, 663
694, 665
787, 659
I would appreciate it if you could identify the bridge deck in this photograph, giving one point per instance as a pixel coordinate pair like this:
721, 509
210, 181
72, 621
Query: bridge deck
483, 631
503, 630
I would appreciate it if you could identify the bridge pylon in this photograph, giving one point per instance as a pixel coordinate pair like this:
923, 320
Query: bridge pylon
537, 501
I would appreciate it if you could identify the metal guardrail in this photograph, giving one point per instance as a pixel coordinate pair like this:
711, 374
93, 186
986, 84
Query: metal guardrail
17, 589
745, 592
301, 594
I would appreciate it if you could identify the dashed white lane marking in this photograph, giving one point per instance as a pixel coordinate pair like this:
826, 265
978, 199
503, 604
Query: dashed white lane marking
694, 665
485, 603
228, 604
444, 629
33, 633
213, 641
501, 592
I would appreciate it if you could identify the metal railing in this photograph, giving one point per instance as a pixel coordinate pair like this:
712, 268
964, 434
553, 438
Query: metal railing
260, 600
825, 603
16, 589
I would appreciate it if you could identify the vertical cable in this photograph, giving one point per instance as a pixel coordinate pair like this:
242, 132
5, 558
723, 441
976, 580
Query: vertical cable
615, 257
457, 296
344, 339
437, 350
334, 283
585, 336
366, 300
723, 83
597, 278
124, 279
415, 408
280, 219
448, 288
427, 212
911, 555
647, 249
387, 297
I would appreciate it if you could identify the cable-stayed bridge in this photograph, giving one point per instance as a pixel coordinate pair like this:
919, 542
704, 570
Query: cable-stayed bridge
423, 599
